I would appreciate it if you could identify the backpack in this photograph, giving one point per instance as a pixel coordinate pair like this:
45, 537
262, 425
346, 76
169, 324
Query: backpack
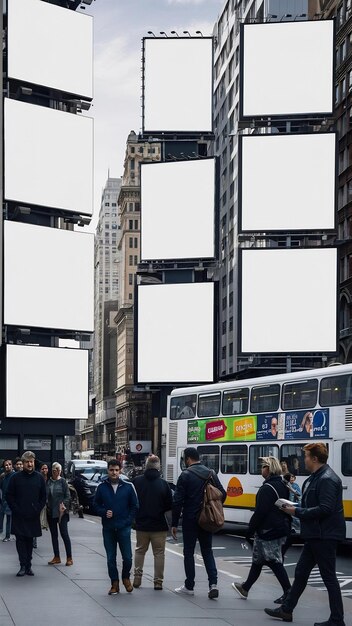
211, 516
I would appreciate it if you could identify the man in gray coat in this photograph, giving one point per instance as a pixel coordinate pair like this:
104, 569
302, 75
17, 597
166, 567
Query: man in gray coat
26, 496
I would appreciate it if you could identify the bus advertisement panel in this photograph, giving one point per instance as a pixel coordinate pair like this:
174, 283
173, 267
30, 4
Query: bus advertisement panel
269, 426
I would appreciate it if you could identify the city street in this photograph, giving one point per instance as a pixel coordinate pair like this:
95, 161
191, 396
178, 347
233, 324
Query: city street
78, 594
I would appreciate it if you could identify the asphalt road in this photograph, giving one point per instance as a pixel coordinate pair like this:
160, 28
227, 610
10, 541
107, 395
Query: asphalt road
234, 549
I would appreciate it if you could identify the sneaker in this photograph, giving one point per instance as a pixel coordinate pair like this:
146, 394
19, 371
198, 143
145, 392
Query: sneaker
115, 588
213, 592
279, 614
137, 581
6, 539
158, 586
242, 592
55, 561
127, 584
183, 589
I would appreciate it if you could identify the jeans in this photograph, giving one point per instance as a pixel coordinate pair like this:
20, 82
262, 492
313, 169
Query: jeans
8, 522
122, 537
319, 552
158, 540
191, 532
53, 526
24, 546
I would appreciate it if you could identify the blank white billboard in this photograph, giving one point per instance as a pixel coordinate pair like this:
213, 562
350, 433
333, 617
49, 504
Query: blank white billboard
48, 277
48, 157
288, 182
175, 329
178, 84
177, 210
287, 68
46, 382
50, 46
288, 301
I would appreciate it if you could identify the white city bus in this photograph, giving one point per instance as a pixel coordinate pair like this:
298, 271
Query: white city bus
234, 423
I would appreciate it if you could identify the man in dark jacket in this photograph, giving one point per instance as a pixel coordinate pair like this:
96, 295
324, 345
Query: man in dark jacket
116, 502
155, 498
189, 499
26, 496
322, 527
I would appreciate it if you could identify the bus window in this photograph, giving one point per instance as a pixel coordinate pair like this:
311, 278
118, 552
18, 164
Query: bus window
293, 455
209, 405
183, 407
346, 459
234, 459
265, 399
235, 402
335, 390
209, 456
300, 395
255, 452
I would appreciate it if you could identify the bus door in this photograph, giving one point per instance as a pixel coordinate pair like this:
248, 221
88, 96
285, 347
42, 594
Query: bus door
342, 465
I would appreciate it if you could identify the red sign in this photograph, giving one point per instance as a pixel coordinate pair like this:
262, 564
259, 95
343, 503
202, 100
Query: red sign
215, 430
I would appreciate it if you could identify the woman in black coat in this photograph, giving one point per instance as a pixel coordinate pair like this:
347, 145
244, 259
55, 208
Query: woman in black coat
270, 528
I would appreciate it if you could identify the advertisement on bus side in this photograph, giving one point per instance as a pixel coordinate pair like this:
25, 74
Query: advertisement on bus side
268, 426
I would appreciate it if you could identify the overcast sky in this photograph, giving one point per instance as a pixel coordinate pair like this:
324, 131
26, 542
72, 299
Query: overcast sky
119, 26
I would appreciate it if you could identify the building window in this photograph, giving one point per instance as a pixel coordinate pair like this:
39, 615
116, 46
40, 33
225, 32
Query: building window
132, 164
130, 224
231, 324
136, 259
130, 207
131, 242
231, 349
231, 299
107, 203
224, 326
136, 224
223, 352
130, 259
224, 303
130, 279
130, 296
135, 242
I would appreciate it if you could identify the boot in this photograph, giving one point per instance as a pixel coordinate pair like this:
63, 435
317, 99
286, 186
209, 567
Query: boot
115, 588
127, 584
55, 561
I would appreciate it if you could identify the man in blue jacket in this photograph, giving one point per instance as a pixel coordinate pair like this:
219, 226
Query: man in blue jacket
116, 503
322, 527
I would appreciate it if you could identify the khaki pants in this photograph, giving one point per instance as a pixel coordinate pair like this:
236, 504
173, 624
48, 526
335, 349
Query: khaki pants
158, 540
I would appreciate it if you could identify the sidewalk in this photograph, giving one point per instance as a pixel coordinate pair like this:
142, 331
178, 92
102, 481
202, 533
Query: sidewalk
69, 596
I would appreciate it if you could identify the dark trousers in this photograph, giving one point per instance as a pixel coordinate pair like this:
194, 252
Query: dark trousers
191, 532
63, 525
121, 537
24, 546
322, 553
277, 569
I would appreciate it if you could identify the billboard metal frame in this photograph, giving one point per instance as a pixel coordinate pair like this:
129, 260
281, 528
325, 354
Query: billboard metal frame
239, 310
4, 384
241, 230
285, 116
215, 341
167, 134
191, 261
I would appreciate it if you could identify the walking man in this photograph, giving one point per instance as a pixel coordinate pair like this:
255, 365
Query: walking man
5, 510
155, 498
116, 503
322, 527
26, 496
189, 499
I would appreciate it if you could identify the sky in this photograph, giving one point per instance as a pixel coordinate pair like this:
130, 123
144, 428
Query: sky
119, 26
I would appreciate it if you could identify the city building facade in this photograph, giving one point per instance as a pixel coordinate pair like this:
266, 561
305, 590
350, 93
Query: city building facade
106, 294
133, 407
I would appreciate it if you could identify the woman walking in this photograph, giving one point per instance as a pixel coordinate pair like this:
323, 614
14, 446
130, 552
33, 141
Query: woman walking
270, 529
58, 517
